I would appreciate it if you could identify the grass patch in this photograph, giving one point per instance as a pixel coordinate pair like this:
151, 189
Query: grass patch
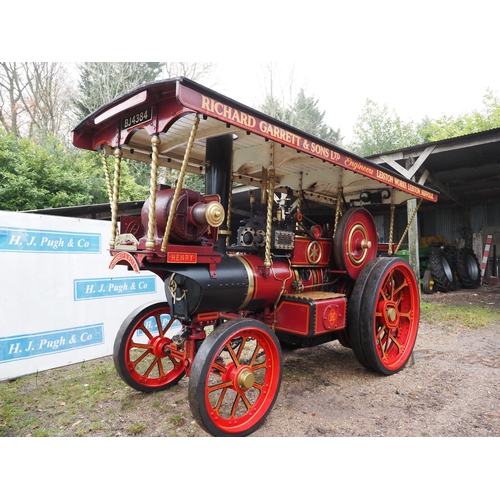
471, 317
136, 429
56, 402
89, 400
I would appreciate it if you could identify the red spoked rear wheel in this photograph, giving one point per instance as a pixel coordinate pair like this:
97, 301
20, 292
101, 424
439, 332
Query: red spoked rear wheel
383, 315
235, 378
144, 355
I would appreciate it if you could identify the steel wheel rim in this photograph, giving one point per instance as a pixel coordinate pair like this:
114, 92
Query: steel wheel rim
147, 351
248, 356
472, 268
447, 268
396, 323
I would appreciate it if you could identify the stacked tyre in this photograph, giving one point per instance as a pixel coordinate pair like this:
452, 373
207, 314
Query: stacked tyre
450, 268
467, 268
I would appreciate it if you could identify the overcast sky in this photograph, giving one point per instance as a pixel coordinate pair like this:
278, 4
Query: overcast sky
432, 91
420, 58
425, 58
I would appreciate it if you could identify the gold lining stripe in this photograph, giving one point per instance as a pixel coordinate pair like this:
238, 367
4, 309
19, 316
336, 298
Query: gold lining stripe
251, 282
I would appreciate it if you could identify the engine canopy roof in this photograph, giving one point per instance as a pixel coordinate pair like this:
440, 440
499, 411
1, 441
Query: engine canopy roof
302, 162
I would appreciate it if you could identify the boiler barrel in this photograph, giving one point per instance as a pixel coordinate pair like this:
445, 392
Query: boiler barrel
238, 285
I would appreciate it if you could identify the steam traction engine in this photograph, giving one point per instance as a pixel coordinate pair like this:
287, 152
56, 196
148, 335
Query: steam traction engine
238, 285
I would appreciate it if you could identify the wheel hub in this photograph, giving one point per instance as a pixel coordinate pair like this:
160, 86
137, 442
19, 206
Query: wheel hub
390, 314
241, 378
246, 379
161, 346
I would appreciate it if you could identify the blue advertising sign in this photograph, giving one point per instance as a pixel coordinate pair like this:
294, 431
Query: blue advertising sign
42, 343
14, 239
101, 288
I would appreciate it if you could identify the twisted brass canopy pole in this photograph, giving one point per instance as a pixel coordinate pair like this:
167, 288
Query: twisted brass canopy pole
116, 194
155, 142
180, 180
106, 176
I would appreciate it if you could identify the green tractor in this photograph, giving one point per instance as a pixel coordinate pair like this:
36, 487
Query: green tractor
444, 267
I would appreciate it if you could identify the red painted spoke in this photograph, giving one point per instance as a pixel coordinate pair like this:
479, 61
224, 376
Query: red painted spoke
146, 332
260, 366
241, 347
385, 349
160, 368
167, 327
158, 323
219, 367
389, 285
140, 358
258, 386
393, 339
255, 354
380, 333
245, 401
231, 352
383, 346
234, 408
176, 362
222, 385
140, 346
151, 366
390, 340
383, 296
220, 400
403, 285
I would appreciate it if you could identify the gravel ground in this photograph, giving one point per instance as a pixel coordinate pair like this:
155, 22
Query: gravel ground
452, 388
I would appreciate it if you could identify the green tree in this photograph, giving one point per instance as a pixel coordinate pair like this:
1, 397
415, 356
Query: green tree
34, 176
447, 127
378, 130
100, 82
303, 113
49, 175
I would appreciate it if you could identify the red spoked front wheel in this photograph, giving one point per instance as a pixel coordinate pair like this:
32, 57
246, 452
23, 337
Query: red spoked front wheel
383, 315
144, 354
235, 378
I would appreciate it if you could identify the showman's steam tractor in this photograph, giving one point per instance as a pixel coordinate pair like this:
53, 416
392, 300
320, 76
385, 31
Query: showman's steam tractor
240, 283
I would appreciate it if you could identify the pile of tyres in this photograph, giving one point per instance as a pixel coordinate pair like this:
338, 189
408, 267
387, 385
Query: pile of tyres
449, 268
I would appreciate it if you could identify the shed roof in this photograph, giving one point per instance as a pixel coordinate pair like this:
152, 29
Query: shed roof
465, 170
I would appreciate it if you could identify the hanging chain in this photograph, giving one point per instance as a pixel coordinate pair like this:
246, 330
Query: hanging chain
299, 200
391, 228
229, 208
409, 224
269, 214
338, 209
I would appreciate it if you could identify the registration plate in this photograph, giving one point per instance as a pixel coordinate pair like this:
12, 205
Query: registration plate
137, 118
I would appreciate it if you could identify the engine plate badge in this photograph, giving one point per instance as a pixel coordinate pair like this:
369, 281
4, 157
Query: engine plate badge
284, 240
181, 257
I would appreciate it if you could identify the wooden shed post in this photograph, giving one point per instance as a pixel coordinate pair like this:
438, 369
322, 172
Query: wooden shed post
413, 247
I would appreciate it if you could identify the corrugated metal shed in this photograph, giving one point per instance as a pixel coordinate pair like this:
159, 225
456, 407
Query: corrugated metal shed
466, 171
